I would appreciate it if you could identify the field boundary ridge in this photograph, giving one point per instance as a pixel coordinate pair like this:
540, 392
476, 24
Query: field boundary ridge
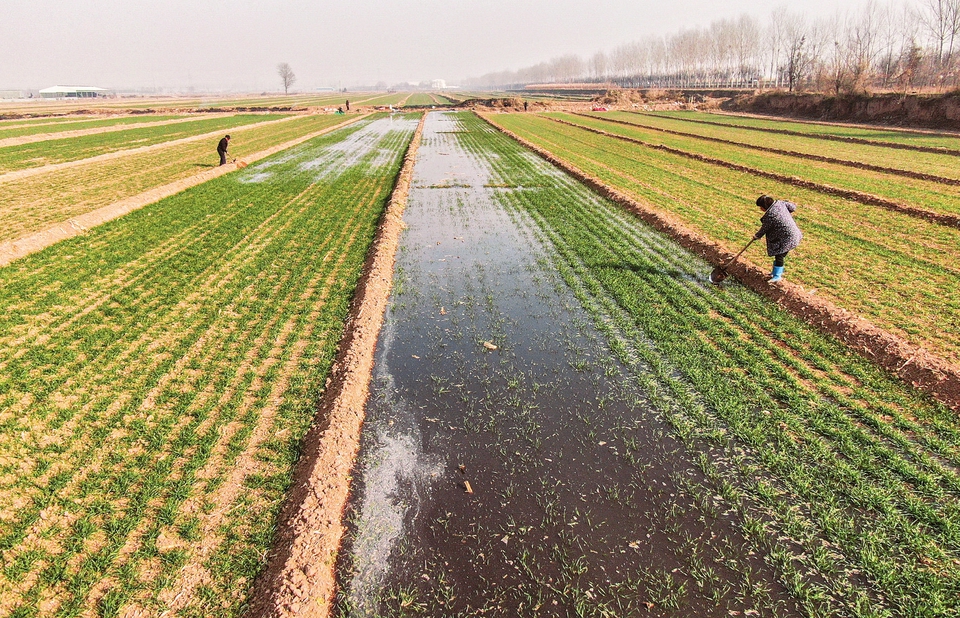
849, 194
44, 137
12, 250
832, 138
299, 579
911, 363
117, 154
790, 153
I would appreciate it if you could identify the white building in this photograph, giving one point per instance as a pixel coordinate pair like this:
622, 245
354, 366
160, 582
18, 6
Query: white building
438, 84
72, 92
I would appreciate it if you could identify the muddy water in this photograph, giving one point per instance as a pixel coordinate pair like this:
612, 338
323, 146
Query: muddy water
491, 376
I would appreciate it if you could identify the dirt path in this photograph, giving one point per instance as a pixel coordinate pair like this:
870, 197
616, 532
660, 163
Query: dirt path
299, 578
857, 125
790, 153
910, 362
829, 138
34, 171
15, 249
42, 137
855, 196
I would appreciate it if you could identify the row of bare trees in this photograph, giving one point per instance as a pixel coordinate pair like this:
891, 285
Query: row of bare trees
897, 46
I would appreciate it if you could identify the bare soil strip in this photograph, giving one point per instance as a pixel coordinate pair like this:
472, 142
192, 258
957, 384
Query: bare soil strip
831, 138
33, 171
299, 578
790, 153
909, 362
16, 249
856, 196
42, 137
828, 123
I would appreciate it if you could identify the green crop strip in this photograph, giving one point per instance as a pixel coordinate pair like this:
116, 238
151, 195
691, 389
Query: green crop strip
154, 393
925, 194
48, 152
419, 98
921, 162
36, 203
889, 267
69, 124
845, 479
878, 135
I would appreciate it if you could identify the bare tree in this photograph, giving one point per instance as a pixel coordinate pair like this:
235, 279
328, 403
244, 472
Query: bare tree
286, 76
795, 46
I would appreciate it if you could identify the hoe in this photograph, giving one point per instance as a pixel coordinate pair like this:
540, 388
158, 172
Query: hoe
720, 272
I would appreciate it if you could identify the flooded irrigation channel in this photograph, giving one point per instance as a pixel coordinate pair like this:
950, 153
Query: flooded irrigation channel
508, 466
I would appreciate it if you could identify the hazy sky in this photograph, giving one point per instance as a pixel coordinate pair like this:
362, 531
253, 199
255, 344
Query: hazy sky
236, 44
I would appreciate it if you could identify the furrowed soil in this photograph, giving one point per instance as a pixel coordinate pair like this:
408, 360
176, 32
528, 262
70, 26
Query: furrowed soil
158, 373
567, 419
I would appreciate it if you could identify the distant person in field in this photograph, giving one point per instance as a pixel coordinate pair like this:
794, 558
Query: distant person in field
222, 149
348, 105
781, 230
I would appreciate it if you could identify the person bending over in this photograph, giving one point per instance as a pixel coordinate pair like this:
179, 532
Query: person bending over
222, 149
781, 230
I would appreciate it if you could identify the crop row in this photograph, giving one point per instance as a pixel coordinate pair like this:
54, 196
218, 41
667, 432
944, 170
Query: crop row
940, 165
10, 129
890, 138
153, 394
893, 191
893, 269
74, 148
844, 478
38, 202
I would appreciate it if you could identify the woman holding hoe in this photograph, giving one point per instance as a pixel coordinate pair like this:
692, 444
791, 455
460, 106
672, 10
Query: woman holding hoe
781, 230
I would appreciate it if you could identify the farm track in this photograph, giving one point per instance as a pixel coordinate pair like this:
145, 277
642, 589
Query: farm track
216, 385
299, 578
129, 152
834, 138
37, 203
790, 153
857, 196
910, 362
41, 137
20, 247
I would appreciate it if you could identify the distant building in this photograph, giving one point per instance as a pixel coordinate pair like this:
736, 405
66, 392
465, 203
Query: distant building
11, 94
438, 84
72, 92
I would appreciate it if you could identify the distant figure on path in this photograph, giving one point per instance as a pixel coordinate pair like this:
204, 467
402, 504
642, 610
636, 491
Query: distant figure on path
524, 106
222, 149
348, 105
781, 230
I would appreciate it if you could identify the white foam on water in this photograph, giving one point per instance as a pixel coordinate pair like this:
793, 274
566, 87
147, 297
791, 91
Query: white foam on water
397, 477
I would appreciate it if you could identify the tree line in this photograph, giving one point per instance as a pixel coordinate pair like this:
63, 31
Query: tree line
893, 47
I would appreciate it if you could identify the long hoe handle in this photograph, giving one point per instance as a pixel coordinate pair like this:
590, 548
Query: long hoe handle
734, 258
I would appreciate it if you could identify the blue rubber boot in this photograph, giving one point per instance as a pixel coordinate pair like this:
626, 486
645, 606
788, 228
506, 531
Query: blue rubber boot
777, 274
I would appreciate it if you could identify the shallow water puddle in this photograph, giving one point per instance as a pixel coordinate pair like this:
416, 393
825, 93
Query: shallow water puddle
507, 467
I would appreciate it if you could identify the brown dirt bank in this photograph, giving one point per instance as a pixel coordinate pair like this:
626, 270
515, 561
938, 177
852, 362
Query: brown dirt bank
791, 153
849, 194
911, 363
299, 577
930, 111
16, 249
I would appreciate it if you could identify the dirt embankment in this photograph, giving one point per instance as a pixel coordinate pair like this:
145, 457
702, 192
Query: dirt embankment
848, 194
932, 111
299, 579
911, 363
790, 153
